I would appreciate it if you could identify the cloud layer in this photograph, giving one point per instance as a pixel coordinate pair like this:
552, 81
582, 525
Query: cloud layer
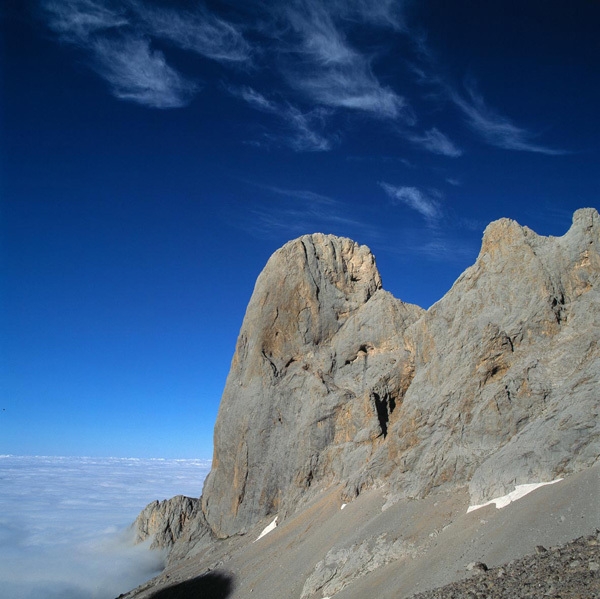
120, 39
138, 73
63, 527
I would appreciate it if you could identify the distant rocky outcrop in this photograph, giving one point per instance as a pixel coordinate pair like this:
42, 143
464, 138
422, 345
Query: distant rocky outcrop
165, 521
336, 382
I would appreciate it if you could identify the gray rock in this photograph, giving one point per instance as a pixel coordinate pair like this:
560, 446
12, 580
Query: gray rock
195, 536
165, 520
344, 565
506, 370
308, 395
334, 381
478, 566
548, 575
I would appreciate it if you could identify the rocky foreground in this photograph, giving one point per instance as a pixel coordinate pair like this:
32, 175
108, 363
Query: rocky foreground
339, 393
571, 571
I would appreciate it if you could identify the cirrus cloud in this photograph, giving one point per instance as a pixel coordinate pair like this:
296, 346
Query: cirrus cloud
496, 129
326, 68
299, 130
118, 38
435, 141
138, 73
198, 31
414, 198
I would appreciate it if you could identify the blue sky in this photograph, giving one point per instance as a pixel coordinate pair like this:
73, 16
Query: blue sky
153, 155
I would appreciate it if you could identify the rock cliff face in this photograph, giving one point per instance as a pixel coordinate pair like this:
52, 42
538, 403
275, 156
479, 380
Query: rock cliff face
165, 521
334, 381
307, 398
507, 370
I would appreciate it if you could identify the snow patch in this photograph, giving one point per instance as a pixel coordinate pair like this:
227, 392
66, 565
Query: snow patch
520, 491
268, 529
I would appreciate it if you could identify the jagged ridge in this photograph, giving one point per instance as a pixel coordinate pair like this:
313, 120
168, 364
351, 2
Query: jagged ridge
335, 381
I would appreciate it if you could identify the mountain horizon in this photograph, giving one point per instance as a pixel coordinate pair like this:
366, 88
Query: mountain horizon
337, 389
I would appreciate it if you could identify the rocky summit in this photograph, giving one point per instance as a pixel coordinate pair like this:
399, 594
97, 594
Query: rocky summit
339, 392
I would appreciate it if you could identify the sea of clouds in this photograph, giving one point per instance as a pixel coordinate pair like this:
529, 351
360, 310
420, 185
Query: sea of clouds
64, 522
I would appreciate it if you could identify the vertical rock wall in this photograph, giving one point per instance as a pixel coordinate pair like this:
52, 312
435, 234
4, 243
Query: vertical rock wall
333, 380
297, 408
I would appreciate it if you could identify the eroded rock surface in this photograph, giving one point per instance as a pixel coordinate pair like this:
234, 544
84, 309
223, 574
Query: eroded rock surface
571, 571
507, 366
308, 396
165, 520
341, 567
334, 381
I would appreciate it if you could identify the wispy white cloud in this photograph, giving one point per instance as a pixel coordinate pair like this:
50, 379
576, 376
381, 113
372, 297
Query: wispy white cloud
118, 38
295, 221
435, 244
380, 13
136, 72
320, 27
319, 39
302, 129
75, 21
435, 141
308, 40
416, 199
305, 137
328, 70
199, 31
304, 195
386, 13
442, 249
354, 87
255, 99
495, 128
287, 213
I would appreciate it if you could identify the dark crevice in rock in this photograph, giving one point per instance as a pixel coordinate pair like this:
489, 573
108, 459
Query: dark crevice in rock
243, 491
382, 413
271, 363
309, 478
385, 404
312, 276
558, 307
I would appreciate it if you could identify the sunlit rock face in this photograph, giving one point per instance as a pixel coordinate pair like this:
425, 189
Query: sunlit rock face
334, 381
306, 401
165, 521
506, 370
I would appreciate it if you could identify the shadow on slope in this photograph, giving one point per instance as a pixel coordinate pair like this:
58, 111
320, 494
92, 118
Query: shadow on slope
214, 585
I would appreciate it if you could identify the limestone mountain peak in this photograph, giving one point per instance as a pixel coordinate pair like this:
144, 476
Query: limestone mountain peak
337, 384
